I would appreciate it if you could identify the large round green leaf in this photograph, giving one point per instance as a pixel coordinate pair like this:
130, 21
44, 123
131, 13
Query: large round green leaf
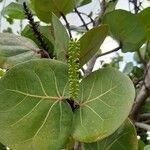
45, 8
33, 111
124, 138
105, 98
91, 42
144, 18
16, 49
126, 27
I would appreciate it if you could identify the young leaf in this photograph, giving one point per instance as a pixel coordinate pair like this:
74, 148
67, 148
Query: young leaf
61, 38
125, 27
16, 49
105, 99
45, 8
14, 10
33, 112
124, 138
91, 42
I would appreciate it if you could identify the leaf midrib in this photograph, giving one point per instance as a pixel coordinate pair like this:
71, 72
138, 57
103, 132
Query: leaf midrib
98, 97
36, 96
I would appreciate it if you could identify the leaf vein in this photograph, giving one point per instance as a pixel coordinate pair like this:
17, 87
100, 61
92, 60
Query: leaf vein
115, 140
91, 89
100, 95
57, 90
35, 96
41, 84
27, 113
81, 120
48, 113
15, 105
63, 94
94, 112
60, 116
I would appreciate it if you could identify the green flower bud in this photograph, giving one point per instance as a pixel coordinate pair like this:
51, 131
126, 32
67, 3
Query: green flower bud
73, 63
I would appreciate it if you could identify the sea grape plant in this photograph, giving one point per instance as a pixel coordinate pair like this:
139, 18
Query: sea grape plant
35, 112
47, 101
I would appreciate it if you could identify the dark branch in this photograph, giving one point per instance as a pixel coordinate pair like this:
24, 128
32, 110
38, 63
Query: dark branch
109, 52
146, 49
92, 20
67, 25
136, 6
144, 116
142, 95
142, 126
90, 67
81, 19
92, 62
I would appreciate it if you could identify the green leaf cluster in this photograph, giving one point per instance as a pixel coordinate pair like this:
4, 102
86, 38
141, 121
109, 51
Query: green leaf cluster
39, 110
35, 113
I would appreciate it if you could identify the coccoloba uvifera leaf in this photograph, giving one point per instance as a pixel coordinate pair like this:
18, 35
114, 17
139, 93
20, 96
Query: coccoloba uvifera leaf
105, 99
34, 114
73, 63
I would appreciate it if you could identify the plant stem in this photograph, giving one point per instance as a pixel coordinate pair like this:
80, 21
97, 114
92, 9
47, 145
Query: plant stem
81, 19
67, 25
142, 126
109, 52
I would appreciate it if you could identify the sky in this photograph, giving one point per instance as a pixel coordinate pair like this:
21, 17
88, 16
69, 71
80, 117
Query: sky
73, 19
